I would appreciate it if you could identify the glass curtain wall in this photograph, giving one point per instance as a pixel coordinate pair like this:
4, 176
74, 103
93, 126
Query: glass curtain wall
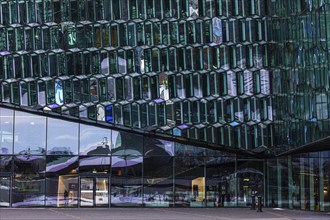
299, 181
80, 165
183, 68
299, 63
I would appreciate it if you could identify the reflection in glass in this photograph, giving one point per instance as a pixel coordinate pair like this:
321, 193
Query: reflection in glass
5, 164
102, 192
62, 190
6, 131
189, 182
62, 181
5, 183
250, 177
87, 192
94, 191
94, 140
158, 147
158, 181
221, 182
126, 182
30, 134
188, 150
125, 143
62, 137
29, 182
94, 164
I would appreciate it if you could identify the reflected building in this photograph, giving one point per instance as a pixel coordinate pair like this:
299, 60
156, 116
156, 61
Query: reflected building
167, 103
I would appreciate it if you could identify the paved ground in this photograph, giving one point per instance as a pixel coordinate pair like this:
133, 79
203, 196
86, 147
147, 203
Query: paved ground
158, 214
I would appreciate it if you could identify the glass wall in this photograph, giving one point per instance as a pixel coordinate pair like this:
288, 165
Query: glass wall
299, 63
82, 165
300, 181
78, 165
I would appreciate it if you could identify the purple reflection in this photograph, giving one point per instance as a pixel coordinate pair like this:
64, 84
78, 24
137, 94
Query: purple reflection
121, 162
183, 126
4, 53
61, 165
159, 100
53, 105
94, 161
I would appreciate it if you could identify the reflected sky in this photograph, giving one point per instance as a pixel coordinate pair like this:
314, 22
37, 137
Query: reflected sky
62, 137
92, 138
30, 133
6, 131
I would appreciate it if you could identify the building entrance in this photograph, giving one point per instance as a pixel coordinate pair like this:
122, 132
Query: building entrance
5, 183
94, 191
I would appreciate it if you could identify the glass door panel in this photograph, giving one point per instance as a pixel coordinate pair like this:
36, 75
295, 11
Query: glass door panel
94, 191
5, 184
102, 192
87, 191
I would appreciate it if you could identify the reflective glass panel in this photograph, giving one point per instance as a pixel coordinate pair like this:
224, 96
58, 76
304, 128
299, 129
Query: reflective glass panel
30, 134
158, 147
158, 181
6, 131
5, 184
94, 140
29, 182
62, 137
124, 143
189, 182
126, 181
62, 181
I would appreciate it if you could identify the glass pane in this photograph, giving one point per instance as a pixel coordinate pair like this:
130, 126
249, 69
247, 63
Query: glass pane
94, 141
95, 164
30, 134
221, 182
126, 144
102, 192
87, 192
62, 181
158, 181
158, 147
6, 164
62, 137
29, 184
6, 131
126, 184
5, 184
189, 182
250, 177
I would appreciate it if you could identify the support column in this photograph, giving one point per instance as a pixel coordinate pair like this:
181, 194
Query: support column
290, 182
311, 183
279, 183
321, 184
302, 184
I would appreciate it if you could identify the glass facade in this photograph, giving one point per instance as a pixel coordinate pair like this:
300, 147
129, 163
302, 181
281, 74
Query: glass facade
300, 181
117, 168
164, 103
191, 68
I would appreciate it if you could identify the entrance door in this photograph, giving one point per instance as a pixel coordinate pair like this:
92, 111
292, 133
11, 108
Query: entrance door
5, 184
94, 191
